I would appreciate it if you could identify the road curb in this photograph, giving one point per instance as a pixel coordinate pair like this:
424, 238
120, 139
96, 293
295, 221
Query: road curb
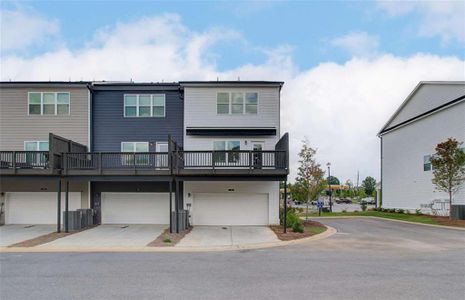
328, 232
394, 220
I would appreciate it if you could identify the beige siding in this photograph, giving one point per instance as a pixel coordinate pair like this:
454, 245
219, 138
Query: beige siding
16, 126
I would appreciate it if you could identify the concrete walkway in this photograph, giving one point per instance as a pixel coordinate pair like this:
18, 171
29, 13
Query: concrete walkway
12, 234
208, 236
110, 236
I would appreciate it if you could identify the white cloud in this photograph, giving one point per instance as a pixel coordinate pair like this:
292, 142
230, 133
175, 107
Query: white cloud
438, 18
22, 28
339, 107
357, 43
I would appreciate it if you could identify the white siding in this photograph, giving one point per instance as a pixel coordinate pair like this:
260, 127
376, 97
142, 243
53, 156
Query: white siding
405, 184
200, 108
270, 188
427, 97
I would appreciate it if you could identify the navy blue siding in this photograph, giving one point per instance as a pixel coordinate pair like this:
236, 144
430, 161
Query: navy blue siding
110, 127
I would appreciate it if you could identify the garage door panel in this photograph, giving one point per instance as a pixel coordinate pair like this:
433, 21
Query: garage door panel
135, 208
230, 209
36, 208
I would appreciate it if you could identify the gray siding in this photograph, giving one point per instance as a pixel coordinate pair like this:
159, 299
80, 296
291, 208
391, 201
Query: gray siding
16, 126
110, 127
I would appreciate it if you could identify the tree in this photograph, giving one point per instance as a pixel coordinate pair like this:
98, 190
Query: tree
369, 185
298, 192
310, 174
448, 167
333, 180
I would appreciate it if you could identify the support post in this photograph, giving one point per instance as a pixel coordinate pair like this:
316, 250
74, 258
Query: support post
176, 205
285, 206
66, 219
171, 206
59, 206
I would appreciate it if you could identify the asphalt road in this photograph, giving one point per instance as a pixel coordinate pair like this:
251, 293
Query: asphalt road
366, 259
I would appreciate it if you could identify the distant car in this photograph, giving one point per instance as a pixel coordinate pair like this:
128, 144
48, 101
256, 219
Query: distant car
369, 200
344, 201
296, 202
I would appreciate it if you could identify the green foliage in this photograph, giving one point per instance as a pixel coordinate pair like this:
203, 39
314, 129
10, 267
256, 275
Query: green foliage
368, 185
292, 219
298, 191
400, 211
344, 210
363, 205
166, 239
333, 180
448, 167
298, 227
392, 210
418, 211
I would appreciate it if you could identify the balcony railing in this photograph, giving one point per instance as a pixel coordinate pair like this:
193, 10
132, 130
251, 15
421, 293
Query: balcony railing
241, 159
24, 160
116, 161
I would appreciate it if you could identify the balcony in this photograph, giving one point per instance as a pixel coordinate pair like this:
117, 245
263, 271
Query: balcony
25, 163
116, 163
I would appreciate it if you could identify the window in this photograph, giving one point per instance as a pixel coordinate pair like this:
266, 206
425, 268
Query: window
48, 103
427, 163
222, 103
222, 156
36, 146
135, 147
35, 159
251, 103
237, 103
144, 105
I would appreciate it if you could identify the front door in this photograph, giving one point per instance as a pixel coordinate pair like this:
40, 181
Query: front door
257, 154
162, 159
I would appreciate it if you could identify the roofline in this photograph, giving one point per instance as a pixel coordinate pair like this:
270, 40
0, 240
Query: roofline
44, 83
231, 83
427, 113
410, 96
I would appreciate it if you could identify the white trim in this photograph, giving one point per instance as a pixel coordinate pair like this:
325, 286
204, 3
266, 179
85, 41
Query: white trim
134, 146
55, 102
88, 121
157, 144
152, 96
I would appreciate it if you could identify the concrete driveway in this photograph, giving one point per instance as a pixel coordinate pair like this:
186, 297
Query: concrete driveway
12, 234
111, 236
213, 236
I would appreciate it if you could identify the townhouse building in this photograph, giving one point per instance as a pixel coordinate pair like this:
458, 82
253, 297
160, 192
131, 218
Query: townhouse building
29, 112
208, 153
433, 112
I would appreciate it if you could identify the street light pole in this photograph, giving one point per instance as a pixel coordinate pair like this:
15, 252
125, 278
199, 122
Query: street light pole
330, 191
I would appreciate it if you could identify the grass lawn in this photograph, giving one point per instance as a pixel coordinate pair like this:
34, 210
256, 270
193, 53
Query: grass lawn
425, 219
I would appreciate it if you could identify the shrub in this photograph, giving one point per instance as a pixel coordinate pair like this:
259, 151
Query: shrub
344, 210
363, 205
418, 211
392, 210
292, 219
298, 227
167, 239
355, 211
400, 211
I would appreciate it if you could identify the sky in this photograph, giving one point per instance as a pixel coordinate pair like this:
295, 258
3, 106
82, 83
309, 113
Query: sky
346, 65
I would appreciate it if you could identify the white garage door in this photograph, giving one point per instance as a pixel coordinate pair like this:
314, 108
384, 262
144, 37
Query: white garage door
230, 209
135, 208
36, 208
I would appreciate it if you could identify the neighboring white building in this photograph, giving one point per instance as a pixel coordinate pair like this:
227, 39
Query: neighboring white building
232, 116
433, 112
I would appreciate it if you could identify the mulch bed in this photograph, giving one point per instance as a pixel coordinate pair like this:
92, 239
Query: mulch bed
446, 221
46, 238
173, 237
291, 235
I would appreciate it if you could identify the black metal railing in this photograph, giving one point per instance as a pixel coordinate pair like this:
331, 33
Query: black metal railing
273, 159
115, 160
24, 159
